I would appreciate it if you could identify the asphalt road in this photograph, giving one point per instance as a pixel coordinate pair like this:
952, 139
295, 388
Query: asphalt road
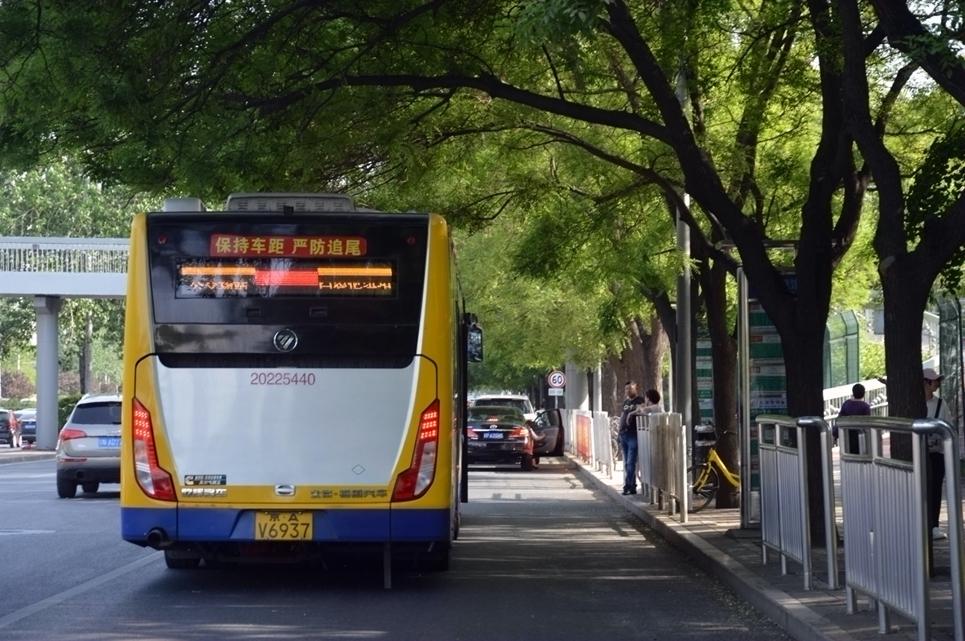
539, 557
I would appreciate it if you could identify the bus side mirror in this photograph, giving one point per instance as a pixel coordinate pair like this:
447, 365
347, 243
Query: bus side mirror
474, 343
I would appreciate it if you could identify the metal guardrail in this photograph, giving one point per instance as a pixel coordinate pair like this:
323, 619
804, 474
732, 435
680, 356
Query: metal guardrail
885, 521
602, 452
666, 460
648, 483
587, 436
785, 516
63, 255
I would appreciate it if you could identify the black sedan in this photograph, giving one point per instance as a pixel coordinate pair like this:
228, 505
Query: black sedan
500, 435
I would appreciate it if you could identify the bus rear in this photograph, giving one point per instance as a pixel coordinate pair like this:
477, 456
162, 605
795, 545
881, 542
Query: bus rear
289, 384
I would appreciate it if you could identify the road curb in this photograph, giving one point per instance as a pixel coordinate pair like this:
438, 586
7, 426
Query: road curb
788, 612
22, 457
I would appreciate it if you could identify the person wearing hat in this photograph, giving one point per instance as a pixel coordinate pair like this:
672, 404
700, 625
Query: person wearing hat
935, 463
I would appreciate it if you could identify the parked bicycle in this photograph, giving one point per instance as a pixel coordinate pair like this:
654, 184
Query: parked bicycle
706, 478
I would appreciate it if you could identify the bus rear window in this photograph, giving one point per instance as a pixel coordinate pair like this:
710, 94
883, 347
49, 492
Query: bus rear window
348, 284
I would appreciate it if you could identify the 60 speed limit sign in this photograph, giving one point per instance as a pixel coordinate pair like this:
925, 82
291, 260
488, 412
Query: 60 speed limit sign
556, 379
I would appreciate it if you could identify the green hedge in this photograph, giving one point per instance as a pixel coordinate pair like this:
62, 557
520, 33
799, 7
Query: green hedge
64, 407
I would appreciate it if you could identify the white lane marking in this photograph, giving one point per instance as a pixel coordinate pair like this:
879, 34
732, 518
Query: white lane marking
50, 601
15, 532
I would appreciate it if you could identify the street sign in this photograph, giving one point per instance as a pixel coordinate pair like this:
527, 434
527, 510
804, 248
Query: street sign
556, 379
555, 391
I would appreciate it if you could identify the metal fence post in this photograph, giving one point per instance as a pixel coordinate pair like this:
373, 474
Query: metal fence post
827, 484
953, 498
885, 548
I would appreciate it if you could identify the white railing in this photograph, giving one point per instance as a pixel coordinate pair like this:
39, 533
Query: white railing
875, 394
63, 255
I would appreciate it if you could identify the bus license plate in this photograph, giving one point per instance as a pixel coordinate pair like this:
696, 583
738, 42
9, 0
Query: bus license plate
111, 442
283, 526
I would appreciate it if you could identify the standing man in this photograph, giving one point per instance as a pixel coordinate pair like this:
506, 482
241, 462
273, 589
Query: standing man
628, 436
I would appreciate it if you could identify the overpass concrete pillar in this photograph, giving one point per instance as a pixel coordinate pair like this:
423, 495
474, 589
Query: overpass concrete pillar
48, 309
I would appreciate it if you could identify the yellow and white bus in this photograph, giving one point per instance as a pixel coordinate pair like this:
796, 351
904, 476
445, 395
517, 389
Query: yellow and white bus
294, 380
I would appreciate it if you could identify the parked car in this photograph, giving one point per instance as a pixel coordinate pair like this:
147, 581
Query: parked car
27, 419
548, 425
89, 446
500, 434
9, 428
508, 400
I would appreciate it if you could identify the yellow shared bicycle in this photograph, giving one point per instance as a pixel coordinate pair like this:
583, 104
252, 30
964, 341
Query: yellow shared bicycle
706, 478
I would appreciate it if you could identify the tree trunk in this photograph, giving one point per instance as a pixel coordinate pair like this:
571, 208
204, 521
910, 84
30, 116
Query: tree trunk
905, 299
713, 279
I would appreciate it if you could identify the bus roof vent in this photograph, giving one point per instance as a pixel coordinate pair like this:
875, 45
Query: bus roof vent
183, 204
289, 203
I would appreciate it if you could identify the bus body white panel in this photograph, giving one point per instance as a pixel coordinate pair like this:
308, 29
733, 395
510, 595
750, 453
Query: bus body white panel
347, 428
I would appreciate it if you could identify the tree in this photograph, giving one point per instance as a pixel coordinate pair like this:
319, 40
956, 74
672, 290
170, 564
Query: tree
249, 94
907, 272
59, 200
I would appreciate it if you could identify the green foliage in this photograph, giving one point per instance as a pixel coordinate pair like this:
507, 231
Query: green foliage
65, 405
537, 21
59, 199
872, 358
937, 185
562, 232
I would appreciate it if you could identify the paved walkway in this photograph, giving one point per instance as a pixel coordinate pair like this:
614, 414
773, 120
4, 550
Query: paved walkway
713, 538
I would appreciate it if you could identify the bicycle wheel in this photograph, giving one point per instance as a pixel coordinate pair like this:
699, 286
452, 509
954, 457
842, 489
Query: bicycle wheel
702, 493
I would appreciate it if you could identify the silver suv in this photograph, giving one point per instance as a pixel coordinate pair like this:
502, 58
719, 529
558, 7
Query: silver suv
89, 446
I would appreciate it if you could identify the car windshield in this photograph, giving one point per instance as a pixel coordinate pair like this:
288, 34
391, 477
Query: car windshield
97, 414
496, 415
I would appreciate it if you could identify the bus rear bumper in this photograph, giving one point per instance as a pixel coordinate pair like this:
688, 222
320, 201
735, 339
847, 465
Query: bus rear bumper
147, 526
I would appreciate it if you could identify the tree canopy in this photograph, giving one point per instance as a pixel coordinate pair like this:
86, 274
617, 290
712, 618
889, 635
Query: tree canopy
776, 118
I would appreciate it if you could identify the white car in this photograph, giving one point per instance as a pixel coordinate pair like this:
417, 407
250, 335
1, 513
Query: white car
519, 401
89, 446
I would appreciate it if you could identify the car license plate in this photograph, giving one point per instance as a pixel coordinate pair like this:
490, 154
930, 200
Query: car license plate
493, 435
112, 442
283, 526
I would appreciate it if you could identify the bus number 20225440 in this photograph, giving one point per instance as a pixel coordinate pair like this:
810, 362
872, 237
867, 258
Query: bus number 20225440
281, 378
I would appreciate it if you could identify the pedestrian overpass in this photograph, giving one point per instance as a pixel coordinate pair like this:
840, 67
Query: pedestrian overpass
49, 270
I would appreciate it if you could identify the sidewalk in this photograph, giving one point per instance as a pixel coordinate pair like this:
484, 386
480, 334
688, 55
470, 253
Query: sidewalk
27, 453
716, 543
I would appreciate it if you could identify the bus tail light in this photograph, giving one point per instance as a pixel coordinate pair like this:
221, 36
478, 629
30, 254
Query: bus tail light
413, 482
154, 480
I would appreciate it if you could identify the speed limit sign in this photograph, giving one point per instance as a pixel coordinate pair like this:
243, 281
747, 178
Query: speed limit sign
556, 379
